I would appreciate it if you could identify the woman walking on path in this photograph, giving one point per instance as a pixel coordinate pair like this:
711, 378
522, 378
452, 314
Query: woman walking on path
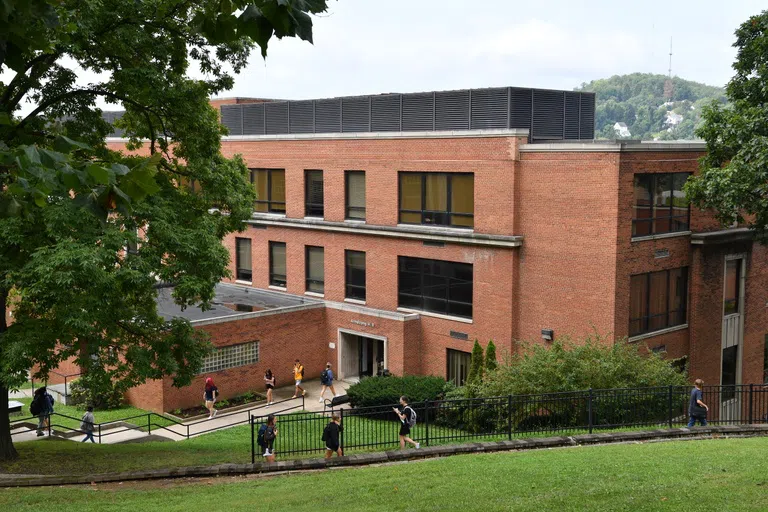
697, 409
326, 379
86, 425
331, 437
210, 394
270, 434
269, 381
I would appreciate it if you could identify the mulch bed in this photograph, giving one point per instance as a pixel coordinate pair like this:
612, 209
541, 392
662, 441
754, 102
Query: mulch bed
228, 403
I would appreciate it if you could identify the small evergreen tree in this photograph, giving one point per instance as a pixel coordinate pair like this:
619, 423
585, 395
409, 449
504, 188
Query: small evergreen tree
475, 376
490, 358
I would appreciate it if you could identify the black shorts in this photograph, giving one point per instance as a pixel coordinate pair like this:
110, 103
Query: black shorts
332, 447
404, 429
270, 386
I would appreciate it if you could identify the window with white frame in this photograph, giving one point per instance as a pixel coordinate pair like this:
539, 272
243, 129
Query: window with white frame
222, 358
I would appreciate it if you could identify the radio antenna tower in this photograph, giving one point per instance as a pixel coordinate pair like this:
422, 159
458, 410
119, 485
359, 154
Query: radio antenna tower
668, 87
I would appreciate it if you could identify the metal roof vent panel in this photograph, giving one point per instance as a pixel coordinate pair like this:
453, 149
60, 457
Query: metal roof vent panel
521, 101
356, 114
253, 119
587, 122
548, 114
572, 115
418, 112
328, 115
277, 117
385, 113
232, 118
452, 110
302, 119
489, 108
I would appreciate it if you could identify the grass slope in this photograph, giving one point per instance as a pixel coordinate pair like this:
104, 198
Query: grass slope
725, 474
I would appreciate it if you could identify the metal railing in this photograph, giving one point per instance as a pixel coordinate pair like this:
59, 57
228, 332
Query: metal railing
154, 421
507, 417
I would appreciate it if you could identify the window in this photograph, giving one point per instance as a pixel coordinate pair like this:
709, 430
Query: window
313, 197
243, 259
355, 194
458, 366
439, 199
660, 204
765, 359
315, 262
222, 358
732, 287
658, 300
277, 271
355, 274
270, 189
730, 359
438, 286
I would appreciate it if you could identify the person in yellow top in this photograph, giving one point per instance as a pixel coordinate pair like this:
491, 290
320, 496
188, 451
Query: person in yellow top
298, 374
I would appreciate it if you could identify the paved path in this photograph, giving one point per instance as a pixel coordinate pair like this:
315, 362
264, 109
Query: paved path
283, 395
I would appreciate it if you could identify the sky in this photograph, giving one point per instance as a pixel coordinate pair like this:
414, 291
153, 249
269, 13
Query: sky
374, 46
378, 46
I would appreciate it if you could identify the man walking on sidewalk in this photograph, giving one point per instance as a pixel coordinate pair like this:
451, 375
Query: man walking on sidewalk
326, 379
298, 375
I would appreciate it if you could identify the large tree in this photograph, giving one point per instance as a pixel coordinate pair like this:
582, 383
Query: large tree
69, 207
734, 177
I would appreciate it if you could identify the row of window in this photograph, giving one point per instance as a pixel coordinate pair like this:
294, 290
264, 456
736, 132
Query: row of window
222, 358
429, 285
442, 199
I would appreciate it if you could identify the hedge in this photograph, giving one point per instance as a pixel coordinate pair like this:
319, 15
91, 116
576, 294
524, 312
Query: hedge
386, 391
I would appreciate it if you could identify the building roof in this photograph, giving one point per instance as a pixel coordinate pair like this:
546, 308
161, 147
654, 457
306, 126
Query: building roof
232, 302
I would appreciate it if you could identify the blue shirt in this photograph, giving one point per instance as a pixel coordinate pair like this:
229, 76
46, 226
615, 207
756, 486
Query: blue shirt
696, 395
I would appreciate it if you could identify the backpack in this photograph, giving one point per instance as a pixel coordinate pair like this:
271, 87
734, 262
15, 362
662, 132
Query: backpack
325, 433
302, 372
323, 376
36, 407
260, 438
412, 418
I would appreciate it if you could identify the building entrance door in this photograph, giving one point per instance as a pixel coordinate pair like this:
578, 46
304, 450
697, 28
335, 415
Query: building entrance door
360, 355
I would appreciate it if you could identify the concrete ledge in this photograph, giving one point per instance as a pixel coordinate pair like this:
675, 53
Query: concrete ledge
360, 459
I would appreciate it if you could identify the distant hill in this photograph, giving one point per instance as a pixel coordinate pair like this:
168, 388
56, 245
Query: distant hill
638, 101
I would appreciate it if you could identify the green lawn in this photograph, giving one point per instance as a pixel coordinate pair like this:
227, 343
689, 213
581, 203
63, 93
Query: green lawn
710, 475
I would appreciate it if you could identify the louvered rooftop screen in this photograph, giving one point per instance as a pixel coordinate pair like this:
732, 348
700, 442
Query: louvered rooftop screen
547, 114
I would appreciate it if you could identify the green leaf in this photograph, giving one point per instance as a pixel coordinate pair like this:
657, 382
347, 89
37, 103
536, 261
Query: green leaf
120, 169
66, 145
99, 174
32, 155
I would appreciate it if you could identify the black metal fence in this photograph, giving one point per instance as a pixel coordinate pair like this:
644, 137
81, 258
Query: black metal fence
496, 418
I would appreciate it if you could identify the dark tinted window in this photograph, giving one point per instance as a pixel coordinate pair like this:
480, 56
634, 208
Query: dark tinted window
732, 287
315, 269
243, 259
313, 183
660, 204
354, 272
355, 194
458, 366
657, 300
277, 272
433, 285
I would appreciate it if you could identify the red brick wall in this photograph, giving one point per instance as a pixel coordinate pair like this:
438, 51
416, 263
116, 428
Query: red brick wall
755, 315
566, 207
148, 396
488, 158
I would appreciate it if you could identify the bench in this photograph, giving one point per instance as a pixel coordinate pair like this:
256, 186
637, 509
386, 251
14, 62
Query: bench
14, 406
336, 401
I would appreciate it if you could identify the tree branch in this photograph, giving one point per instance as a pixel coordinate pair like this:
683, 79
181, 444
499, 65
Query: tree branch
7, 99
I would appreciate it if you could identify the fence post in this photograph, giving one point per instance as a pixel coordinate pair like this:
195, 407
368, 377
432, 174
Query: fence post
426, 422
509, 417
149, 424
65, 389
253, 441
589, 411
669, 406
341, 434
750, 403
99, 433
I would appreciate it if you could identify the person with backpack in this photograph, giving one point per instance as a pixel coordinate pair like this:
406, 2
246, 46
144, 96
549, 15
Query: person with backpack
266, 437
209, 395
326, 379
298, 375
408, 420
86, 424
697, 409
331, 437
42, 407
269, 382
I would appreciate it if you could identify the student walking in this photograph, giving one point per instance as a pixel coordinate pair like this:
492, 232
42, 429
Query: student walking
209, 395
42, 407
326, 379
268, 439
697, 409
269, 382
298, 375
86, 425
331, 437
408, 420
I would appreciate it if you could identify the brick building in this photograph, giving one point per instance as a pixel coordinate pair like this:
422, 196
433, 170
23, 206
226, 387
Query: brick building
413, 224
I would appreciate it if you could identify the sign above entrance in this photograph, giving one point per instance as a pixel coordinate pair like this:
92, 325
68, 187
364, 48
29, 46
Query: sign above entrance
364, 324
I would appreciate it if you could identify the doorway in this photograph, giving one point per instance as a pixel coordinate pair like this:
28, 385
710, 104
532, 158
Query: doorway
361, 355
732, 335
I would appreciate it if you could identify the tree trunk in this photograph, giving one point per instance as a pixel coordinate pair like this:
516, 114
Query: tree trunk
7, 451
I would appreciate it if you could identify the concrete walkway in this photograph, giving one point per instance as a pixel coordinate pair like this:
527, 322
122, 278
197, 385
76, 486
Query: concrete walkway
113, 434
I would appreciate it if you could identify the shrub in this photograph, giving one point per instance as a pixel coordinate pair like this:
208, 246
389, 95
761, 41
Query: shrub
386, 391
475, 375
96, 389
570, 365
490, 358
